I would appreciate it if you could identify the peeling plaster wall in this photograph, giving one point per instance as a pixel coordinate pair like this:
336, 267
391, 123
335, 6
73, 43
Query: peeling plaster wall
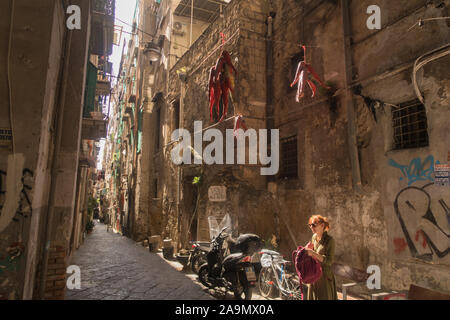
244, 22
405, 193
35, 58
365, 225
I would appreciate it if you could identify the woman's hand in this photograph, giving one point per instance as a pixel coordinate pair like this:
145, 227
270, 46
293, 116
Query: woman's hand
309, 252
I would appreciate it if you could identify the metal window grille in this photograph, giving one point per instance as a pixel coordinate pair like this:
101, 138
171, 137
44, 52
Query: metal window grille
410, 126
289, 156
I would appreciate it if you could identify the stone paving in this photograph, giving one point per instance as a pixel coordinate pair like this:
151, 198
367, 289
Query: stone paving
114, 267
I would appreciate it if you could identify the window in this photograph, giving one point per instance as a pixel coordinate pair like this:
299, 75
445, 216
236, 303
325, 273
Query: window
410, 126
289, 161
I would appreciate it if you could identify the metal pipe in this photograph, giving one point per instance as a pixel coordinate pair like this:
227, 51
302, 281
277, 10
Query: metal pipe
192, 22
353, 148
269, 84
63, 81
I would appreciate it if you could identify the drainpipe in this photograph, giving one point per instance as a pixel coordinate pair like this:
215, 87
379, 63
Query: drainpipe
269, 83
63, 80
179, 169
192, 22
353, 148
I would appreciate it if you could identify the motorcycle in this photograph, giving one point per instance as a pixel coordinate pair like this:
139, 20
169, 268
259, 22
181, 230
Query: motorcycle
234, 272
197, 255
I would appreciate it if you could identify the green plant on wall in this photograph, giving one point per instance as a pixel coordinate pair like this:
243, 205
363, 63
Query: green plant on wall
197, 180
92, 204
90, 226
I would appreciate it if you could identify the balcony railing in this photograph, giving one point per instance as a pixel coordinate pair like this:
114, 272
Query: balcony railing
107, 7
102, 35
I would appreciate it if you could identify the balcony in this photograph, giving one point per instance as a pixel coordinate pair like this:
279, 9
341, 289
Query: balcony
102, 36
88, 154
204, 10
103, 87
94, 128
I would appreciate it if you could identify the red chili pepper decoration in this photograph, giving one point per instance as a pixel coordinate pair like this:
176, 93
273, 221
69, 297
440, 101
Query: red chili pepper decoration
214, 92
301, 77
239, 123
221, 82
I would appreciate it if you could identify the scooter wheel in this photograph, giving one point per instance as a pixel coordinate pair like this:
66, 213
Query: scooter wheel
203, 275
245, 292
197, 262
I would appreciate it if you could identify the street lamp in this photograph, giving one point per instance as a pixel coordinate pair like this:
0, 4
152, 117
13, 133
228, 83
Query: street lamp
152, 51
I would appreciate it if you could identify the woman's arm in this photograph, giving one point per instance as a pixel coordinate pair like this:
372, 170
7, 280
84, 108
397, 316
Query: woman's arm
315, 255
328, 257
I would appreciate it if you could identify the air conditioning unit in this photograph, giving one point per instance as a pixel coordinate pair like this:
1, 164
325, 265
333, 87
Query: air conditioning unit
178, 29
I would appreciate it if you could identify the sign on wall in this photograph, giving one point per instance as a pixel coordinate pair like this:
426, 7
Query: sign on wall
442, 174
5, 136
217, 193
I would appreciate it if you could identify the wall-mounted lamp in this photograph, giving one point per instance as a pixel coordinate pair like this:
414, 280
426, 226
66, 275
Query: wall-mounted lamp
152, 51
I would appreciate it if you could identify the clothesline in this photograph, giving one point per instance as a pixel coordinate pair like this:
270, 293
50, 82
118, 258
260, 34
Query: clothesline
280, 41
204, 129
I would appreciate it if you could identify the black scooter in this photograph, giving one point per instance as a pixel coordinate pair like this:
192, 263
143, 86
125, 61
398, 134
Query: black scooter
197, 256
234, 272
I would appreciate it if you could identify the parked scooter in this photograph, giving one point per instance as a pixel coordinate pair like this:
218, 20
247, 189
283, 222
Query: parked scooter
197, 255
235, 271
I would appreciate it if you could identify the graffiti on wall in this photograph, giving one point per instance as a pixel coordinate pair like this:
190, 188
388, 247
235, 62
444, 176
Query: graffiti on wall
15, 187
416, 170
423, 212
12, 261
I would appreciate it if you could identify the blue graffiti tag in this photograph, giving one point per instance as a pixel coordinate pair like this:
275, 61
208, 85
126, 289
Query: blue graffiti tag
416, 171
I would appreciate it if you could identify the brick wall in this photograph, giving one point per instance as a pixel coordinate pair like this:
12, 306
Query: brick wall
55, 285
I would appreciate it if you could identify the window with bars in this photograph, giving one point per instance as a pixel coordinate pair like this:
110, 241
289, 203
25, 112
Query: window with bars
289, 157
410, 126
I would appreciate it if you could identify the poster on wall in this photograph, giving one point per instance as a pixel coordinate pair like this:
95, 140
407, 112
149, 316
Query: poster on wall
442, 175
5, 137
217, 193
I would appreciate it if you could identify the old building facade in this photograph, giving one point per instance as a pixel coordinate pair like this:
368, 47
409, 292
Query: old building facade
361, 152
50, 123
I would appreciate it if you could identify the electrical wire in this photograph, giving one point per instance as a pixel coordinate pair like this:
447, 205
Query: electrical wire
214, 51
204, 129
421, 21
418, 66
11, 120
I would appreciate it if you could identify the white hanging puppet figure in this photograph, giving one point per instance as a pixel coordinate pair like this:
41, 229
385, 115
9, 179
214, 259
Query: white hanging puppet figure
301, 77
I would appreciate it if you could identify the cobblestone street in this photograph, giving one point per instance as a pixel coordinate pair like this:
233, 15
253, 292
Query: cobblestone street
114, 267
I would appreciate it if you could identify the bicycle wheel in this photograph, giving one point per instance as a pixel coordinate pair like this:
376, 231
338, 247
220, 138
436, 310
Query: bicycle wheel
265, 282
293, 291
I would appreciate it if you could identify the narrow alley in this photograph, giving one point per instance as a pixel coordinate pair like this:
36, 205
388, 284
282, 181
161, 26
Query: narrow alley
114, 267
224, 150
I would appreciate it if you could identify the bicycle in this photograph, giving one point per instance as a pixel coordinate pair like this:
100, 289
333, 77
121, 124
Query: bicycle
277, 274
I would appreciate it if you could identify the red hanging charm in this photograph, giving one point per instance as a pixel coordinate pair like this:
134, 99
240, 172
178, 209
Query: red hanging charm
221, 83
301, 77
239, 123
